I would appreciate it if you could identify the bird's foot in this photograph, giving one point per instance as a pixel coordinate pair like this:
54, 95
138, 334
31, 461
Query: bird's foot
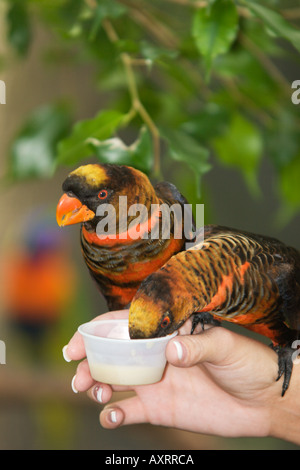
285, 365
204, 318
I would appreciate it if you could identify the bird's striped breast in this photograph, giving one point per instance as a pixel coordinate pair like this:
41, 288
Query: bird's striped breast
120, 269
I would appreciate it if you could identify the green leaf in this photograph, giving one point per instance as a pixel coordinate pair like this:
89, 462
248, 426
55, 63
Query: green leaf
283, 139
105, 9
19, 28
241, 147
214, 29
210, 122
289, 193
276, 23
33, 151
142, 151
126, 45
76, 146
253, 81
153, 52
176, 75
289, 182
184, 148
139, 154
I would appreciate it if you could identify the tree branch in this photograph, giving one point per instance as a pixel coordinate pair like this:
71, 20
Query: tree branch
266, 63
291, 13
158, 29
246, 102
136, 103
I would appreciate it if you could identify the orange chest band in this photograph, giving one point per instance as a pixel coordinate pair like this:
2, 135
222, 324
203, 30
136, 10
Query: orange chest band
135, 232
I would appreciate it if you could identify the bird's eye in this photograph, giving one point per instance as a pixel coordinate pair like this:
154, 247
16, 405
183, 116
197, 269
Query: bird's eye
165, 322
103, 194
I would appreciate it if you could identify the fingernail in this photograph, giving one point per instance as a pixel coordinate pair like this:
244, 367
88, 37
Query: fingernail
65, 354
178, 350
98, 393
113, 416
73, 386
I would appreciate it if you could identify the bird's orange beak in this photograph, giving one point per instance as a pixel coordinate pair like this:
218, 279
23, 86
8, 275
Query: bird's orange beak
70, 211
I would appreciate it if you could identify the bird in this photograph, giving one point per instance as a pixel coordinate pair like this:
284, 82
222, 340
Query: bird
39, 283
118, 247
228, 275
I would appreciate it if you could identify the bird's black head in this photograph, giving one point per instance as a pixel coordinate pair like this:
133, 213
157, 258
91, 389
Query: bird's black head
91, 185
151, 310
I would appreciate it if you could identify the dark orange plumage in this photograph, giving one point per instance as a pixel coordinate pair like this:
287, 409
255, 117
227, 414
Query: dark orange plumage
118, 261
235, 276
38, 289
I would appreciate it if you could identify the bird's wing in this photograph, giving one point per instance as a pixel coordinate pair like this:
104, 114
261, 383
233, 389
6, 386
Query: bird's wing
171, 195
268, 257
168, 192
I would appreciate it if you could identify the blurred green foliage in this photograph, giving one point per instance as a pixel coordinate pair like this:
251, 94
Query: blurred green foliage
193, 80
33, 152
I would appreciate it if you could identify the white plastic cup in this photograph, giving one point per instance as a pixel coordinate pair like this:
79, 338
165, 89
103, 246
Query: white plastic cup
116, 359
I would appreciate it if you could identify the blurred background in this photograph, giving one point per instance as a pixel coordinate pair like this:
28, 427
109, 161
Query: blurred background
237, 132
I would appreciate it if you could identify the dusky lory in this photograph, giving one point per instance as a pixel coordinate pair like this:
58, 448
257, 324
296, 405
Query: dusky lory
240, 277
119, 261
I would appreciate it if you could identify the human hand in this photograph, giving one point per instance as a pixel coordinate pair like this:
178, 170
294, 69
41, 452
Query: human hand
216, 382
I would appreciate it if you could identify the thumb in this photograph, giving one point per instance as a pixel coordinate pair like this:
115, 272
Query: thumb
212, 345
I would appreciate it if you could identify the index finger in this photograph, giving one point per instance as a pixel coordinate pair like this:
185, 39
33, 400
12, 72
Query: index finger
75, 350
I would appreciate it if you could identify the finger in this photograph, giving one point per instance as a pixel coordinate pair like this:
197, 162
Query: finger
102, 392
75, 350
212, 345
128, 411
82, 380
185, 329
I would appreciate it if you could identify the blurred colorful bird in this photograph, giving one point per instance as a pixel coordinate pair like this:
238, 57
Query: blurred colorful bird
240, 277
119, 259
39, 282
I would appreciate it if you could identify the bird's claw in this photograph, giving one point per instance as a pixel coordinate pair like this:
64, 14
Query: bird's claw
285, 365
204, 318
